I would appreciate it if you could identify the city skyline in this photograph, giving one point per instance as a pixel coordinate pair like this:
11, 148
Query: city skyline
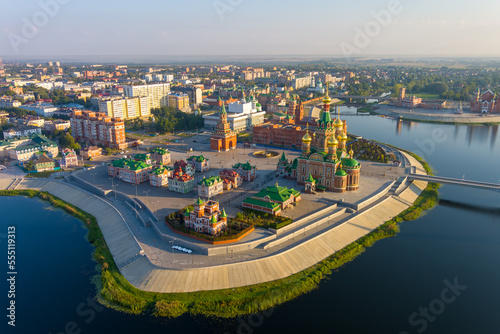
243, 28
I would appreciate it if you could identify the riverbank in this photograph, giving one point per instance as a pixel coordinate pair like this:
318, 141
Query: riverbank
433, 116
117, 292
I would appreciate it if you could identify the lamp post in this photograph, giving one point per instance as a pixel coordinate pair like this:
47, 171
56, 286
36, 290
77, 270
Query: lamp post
93, 177
147, 196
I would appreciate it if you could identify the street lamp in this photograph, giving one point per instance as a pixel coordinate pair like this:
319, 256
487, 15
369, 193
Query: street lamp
147, 196
93, 177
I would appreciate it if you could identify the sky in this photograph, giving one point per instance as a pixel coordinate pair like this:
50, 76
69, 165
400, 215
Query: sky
359, 28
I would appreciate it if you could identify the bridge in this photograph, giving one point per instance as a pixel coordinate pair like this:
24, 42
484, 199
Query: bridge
457, 182
385, 98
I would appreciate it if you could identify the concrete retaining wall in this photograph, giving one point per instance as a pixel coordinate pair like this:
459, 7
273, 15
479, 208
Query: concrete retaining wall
370, 200
305, 229
88, 186
310, 217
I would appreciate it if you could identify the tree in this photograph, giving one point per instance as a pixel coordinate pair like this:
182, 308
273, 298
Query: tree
108, 151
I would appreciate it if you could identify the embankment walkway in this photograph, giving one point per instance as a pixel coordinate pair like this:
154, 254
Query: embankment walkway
141, 273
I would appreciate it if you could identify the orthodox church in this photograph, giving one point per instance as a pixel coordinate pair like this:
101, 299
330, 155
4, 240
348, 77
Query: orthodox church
324, 163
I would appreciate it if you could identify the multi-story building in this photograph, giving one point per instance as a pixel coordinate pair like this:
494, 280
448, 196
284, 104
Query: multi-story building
156, 93
98, 129
90, 152
131, 171
246, 170
69, 158
143, 157
206, 217
242, 115
195, 94
159, 176
405, 101
272, 200
25, 148
181, 182
299, 83
21, 131
8, 102
125, 107
199, 163
160, 155
186, 167
223, 138
41, 108
178, 101
232, 180
43, 163
209, 187
60, 125
484, 103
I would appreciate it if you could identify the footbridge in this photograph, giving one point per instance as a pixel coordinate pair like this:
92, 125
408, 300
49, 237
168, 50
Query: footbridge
457, 182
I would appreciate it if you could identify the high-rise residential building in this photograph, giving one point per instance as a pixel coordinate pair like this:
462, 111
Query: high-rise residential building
125, 108
98, 129
2, 70
156, 93
178, 101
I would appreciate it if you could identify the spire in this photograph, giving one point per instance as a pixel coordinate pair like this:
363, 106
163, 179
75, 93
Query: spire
223, 214
223, 109
283, 158
307, 138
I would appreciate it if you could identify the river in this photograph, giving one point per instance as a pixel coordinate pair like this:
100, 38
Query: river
440, 274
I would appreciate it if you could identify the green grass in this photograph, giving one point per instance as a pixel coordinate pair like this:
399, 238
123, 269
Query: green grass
43, 174
116, 292
426, 96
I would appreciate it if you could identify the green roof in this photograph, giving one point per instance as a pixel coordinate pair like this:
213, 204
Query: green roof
159, 151
310, 178
262, 203
277, 193
141, 156
350, 163
223, 214
283, 157
245, 166
132, 164
340, 172
213, 220
295, 163
210, 181
199, 158
199, 201
160, 170
325, 118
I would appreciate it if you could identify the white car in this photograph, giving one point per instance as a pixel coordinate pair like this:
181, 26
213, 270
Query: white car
2, 167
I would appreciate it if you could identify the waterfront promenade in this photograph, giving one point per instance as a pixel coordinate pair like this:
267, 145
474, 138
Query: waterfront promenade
441, 116
296, 257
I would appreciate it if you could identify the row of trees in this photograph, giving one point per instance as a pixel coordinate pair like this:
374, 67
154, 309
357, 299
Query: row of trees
168, 119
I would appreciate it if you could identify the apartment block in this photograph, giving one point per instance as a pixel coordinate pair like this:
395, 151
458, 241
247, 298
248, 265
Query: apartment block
125, 108
156, 93
98, 129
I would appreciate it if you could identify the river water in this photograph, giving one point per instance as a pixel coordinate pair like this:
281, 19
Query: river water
441, 274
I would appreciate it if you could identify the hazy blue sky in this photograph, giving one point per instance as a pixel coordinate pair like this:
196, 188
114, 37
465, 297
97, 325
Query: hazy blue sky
249, 27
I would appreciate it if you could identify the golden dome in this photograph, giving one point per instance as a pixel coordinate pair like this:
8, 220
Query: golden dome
332, 141
343, 136
327, 99
351, 153
307, 138
338, 123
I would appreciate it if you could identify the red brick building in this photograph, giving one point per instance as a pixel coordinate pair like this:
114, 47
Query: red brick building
223, 138
98, 129
485, 103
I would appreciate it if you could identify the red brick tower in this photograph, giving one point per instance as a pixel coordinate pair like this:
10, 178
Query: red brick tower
223, 138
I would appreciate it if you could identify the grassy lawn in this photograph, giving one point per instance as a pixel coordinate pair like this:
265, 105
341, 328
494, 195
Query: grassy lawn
426, 96
43, 174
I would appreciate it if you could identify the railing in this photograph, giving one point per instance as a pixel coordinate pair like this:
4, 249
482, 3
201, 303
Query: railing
458, 182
